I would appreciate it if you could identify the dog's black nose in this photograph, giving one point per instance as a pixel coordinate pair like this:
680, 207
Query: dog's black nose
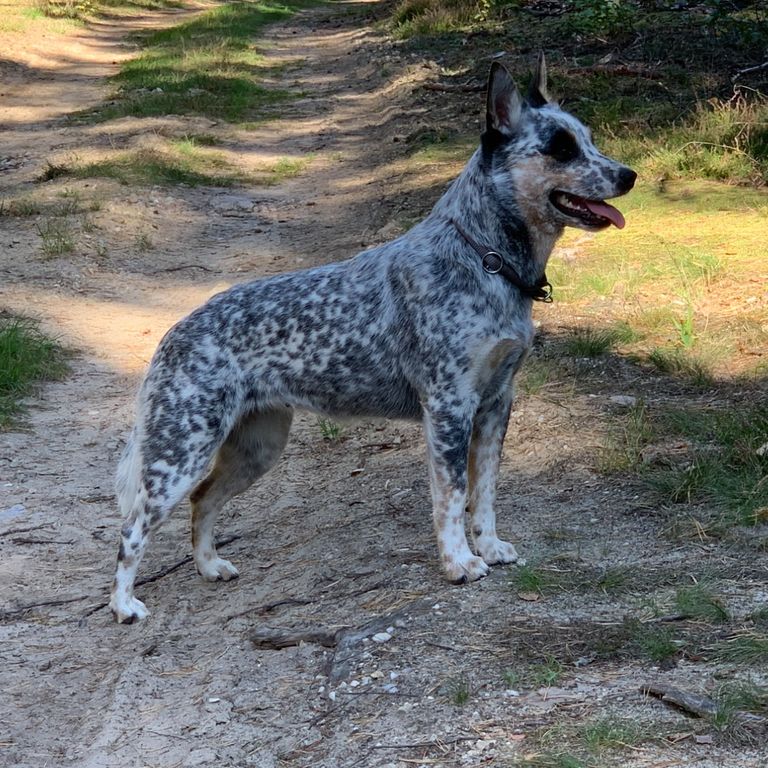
627, 179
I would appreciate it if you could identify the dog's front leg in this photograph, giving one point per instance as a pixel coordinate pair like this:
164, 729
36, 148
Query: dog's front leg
484, 456
448, 434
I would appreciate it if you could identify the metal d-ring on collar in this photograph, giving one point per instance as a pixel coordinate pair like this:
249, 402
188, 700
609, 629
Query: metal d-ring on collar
494, 264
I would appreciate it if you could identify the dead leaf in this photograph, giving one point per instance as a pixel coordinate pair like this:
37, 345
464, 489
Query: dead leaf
529, 597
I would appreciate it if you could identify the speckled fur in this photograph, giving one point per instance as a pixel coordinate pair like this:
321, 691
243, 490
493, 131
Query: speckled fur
413, 329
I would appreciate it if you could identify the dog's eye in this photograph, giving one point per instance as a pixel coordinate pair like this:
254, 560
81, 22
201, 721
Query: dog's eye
562, 146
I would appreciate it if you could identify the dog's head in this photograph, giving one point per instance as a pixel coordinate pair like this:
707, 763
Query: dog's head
556, 174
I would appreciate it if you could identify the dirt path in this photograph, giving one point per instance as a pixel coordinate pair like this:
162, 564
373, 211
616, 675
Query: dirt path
337, 535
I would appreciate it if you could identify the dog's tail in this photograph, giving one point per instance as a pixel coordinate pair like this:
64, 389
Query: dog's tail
128, 479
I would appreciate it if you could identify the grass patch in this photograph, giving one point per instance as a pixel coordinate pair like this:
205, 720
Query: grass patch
169, 165
413, 18
729, 462
723, 140
177, 161
329, 429
546, 672
746, 647
593, 342
680, 363
700, 603
655, 643
82, 10
590, 743
633, 433
27, 357
565, 575
57, 238
205, 66
458, 690
737, 703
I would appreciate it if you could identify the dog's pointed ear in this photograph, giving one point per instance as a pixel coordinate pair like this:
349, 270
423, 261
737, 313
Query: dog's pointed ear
504, 104
538, 95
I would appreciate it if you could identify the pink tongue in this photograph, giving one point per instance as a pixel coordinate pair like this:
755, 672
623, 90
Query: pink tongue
599, 208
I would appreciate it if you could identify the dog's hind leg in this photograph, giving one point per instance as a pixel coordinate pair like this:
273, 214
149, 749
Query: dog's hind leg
147, 495
252, 448
448, 436
154, 475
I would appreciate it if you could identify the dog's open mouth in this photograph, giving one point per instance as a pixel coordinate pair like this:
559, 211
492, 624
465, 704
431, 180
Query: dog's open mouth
594, 214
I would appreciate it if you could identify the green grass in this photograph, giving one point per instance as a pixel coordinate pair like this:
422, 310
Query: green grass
593, 342
613, 733
458, 690
82, 10
168, 165
728, 469
738, 698
682, 364
27, 357
633, 431
546, 672
721, 140
329, 429
177, 161
654, 642
698, 602
56, 238
205, 66
747, 647
596, 741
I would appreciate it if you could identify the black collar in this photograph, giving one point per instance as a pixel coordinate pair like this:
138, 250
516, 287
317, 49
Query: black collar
494, 264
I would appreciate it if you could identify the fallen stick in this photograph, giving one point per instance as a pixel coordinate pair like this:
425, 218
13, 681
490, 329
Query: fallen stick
693, 703
696, 704
14, 531
746, 71
427, 744
343, 640
277, 638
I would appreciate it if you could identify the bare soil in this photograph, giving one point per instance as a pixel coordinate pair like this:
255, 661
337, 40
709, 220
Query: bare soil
339, 534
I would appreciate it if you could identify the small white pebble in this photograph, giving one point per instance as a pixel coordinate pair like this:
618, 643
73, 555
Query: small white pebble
381, 637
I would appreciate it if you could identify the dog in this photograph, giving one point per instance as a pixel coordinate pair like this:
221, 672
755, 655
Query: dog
432, 326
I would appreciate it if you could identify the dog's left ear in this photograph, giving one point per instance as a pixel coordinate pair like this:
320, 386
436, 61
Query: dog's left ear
504, 104
537, 92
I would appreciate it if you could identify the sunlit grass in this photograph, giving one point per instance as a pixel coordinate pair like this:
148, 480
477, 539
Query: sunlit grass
208, 65
690, 253
27, 357
148, 166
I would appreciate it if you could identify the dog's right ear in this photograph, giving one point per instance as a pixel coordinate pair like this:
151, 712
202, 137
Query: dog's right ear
504, 104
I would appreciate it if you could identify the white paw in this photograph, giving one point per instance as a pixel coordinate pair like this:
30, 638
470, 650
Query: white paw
462, 570
494, 551
128, 610
217, 569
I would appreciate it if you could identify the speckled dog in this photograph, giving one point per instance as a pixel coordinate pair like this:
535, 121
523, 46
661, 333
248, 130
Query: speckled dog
431, 326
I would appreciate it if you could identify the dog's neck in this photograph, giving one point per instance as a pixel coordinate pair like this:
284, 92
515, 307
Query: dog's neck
496, 222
